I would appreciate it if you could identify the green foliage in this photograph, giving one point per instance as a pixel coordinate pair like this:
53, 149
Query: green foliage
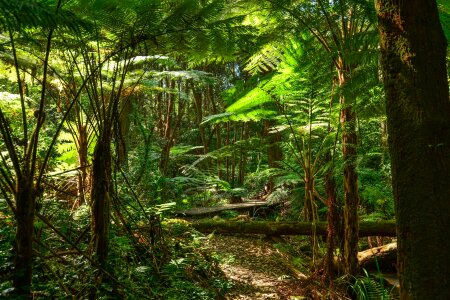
192, 273
229, 214
444, 14
249, 70
376, 194
368, 288
36, 13
7, 235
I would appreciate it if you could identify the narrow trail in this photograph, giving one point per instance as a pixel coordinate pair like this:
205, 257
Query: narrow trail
255, 268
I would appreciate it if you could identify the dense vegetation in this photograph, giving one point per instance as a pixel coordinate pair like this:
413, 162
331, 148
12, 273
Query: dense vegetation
115, 114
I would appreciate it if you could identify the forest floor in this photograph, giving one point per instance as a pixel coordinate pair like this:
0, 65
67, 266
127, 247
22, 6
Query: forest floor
258, 270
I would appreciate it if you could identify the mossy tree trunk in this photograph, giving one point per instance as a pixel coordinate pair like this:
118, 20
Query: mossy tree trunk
413, 49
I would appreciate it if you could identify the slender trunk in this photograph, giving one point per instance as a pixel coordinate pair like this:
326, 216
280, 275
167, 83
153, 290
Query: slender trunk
100, 195
23, 261
165, 156
227, 159
309, 203
351, 198
159, 112
233, 159
332, 219
413, 53
217, 130
123, 127
198, 105
82, 163
274, 152
218, 146
167, 136
310, 210
243, 154
334, 233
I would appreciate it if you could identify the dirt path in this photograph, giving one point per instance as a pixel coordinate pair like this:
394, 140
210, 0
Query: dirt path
255, 268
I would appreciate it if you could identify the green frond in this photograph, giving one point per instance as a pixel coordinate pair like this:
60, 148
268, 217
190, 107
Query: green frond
265, 60
251, 115
254, 98
196, 180
22, 14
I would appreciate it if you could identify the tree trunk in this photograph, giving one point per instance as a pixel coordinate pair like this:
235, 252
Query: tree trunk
233, 158
123, 126
243, 153
168, 131
217, 130
100, 196
413, 49
82, 163
332, 219
227, 159
218, 146
309, 208
198, 106
351, 198
274, 151
23, 261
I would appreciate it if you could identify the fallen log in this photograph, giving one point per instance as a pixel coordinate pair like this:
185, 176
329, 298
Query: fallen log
376, 259
384, 257
384, 228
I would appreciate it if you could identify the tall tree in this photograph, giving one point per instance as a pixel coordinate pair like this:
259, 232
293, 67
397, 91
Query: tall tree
24, 180
413, 49
344, 29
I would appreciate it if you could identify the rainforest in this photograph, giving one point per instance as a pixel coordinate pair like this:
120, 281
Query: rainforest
224, 149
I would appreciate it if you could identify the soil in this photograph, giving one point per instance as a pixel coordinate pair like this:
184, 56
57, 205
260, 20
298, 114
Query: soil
259, 271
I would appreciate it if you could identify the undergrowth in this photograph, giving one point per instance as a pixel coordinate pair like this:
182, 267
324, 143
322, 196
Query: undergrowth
162, 261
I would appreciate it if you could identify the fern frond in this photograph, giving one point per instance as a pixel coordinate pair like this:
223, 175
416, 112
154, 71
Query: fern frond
265, 60
21, 14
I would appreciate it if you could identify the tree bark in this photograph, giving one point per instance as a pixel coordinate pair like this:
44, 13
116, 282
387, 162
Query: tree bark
82, 162
100, 196
23, 260
413, 49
